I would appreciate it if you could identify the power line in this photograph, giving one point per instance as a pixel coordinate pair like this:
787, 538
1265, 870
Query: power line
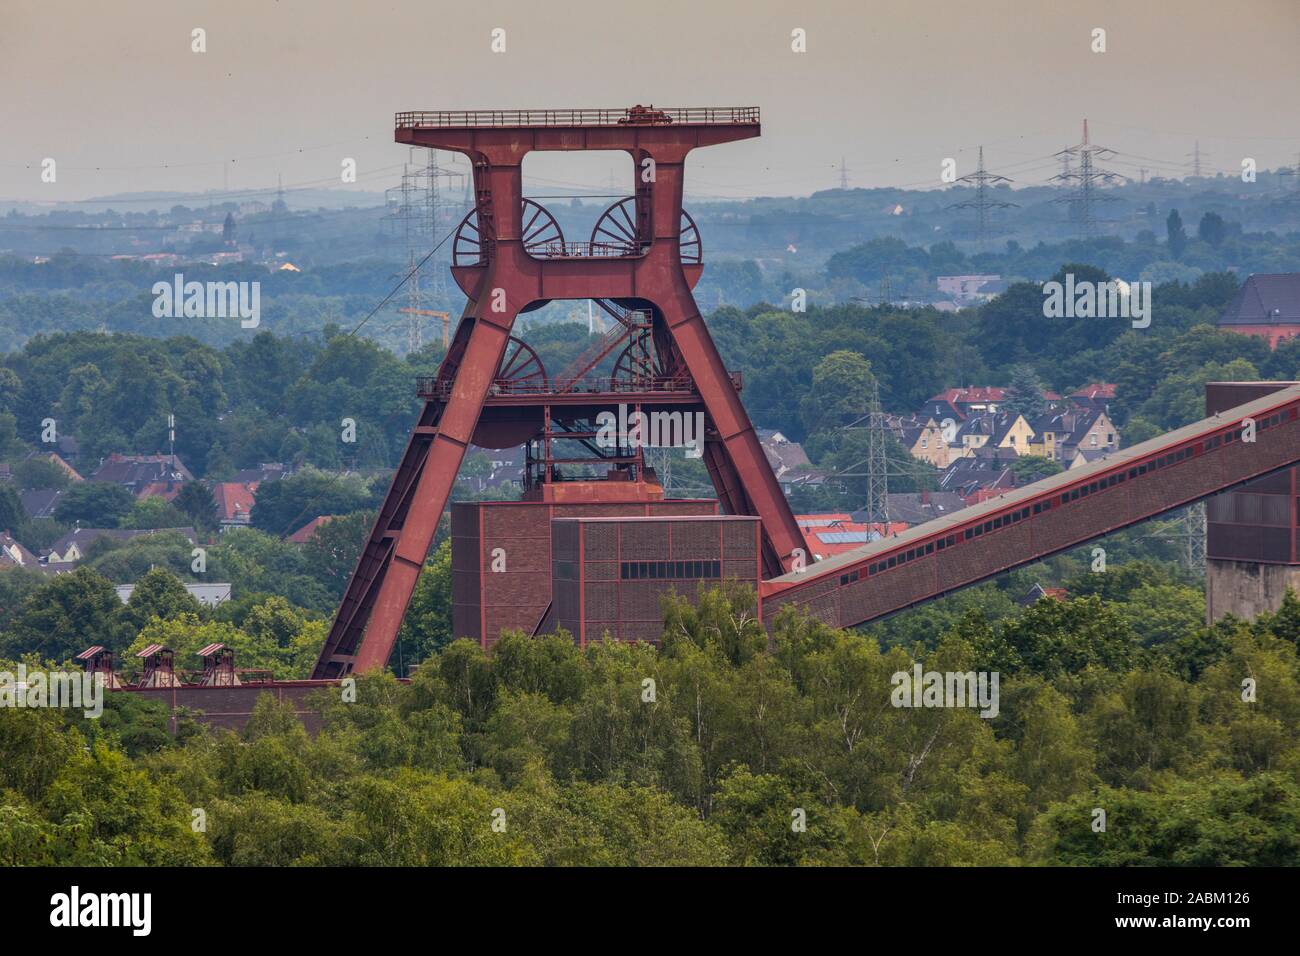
394, 290
983, 203
1196, 155
1086, 181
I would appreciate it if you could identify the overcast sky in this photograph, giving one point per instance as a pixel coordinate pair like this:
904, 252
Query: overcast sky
114, 94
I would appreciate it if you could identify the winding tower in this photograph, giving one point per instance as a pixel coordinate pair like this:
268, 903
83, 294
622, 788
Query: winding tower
510, 256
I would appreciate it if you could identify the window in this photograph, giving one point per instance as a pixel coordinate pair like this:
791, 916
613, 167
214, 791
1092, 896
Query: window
1093, 436
665, 570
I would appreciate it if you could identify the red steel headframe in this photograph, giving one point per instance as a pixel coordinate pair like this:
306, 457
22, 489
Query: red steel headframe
506, 280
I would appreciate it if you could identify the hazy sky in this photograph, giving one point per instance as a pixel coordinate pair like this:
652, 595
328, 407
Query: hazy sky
114, 94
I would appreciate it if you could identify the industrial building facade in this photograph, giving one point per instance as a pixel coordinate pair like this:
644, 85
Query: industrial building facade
501, 558
610, 574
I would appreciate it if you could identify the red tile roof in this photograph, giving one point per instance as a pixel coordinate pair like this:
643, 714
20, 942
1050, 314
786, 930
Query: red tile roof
234, 501
977, 393
982, 495
308, 531
167, 490
1095, 390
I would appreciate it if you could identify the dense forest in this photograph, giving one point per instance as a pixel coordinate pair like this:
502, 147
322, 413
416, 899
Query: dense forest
719, 748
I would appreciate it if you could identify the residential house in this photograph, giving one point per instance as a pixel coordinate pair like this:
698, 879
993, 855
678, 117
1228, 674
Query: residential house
235, 502
1003, 430
14, 555
984, 469
1267, 306
782, 454
1086, 456
266, 471
504, 471
959, 403
70, 451
802, 478
72, 547
40, 504
58, 461
1038, 593
167, 490
1058, 435
917, 508
138, 473
923, 438
308, 531
1096, 395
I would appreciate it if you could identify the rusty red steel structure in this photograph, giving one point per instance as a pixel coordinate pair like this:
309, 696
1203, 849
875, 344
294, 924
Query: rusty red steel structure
509, 256
1233, 448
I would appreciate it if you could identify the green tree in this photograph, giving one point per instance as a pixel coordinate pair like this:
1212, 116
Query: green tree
195, 501
1175, 233
335, 547
426, 628
38, 474
94, 504
840, 393
1212, 229
158, 593
63, 618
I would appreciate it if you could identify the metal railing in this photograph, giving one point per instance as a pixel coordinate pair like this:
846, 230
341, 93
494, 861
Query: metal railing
634, 116
562, 249
429, 387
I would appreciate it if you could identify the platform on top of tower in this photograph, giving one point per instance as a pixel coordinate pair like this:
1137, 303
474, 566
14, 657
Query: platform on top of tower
576, 117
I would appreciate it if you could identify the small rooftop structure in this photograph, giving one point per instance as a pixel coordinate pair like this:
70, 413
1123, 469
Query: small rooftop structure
159, 667
98, 659
218, 666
